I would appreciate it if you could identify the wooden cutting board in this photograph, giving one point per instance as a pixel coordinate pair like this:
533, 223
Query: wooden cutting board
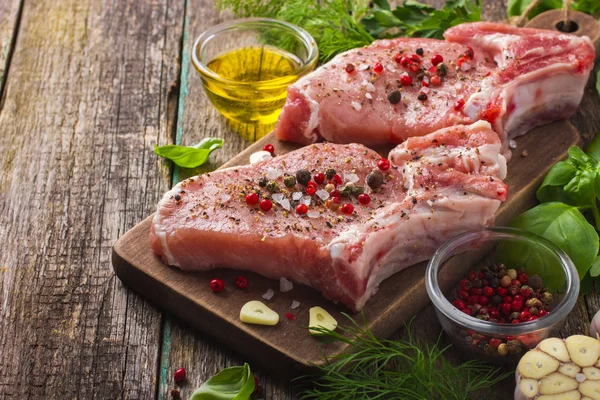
288, 349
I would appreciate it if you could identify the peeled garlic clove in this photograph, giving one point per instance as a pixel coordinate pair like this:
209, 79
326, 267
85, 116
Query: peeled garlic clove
320, 318
572, 395
529, 387
537, 364
556, 348
592, 373
255, 312
590, 389
569, 369
557, 383
584, 350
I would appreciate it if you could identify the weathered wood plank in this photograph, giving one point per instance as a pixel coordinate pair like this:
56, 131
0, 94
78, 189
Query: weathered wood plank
10, 14
86, 98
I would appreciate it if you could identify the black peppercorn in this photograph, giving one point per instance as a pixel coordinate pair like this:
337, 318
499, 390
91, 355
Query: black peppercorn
496, 299
330, 173
303, 176
289, 181
494, 282
375, 179
394, 97
420, 51
535, 281
262, 182
422, 97
177, 197
476, 283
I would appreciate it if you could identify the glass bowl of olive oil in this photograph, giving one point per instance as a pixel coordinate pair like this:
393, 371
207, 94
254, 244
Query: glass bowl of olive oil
246, 66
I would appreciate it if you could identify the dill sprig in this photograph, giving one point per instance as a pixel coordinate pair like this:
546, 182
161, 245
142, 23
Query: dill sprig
334, 24
340, 25
394, 369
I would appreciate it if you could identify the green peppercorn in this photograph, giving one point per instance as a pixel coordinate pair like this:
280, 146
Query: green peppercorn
357, 190
375, 179
442, 70
330, 173
346, 190
262, 182
272, 186
303, 176
289, 181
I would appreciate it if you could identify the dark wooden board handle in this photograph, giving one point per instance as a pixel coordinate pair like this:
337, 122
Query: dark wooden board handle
586, 25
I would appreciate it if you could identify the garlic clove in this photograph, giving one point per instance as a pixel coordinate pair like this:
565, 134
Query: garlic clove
529, 387
590, 389
320, 318
556, 348
592, 373
584, 350
537, 364
255, 312
557, 383
569, 369
572, 395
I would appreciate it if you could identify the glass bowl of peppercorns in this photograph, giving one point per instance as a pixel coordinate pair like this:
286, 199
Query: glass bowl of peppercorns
499, 291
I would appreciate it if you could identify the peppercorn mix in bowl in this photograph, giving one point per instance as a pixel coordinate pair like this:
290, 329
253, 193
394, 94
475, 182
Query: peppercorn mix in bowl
517, 290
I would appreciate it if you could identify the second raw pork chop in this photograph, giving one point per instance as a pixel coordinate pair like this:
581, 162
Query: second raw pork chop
515, 78
438, 186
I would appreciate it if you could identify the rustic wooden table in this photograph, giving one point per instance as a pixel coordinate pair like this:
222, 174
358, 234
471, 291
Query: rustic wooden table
87, 89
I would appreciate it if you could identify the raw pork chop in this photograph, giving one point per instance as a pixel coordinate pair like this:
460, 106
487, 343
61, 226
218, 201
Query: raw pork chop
441, 184
515, 78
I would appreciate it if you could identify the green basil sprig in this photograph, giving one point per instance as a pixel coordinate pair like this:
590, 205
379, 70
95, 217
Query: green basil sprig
234, 383
517, 7
189, 156
569, 195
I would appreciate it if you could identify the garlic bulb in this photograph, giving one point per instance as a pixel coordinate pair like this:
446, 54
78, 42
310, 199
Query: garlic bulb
595, 325
560, 369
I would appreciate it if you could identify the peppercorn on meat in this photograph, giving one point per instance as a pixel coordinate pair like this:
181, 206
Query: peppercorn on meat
336, 217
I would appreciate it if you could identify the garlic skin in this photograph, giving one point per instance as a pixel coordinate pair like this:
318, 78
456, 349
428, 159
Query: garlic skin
595, 325
560, 369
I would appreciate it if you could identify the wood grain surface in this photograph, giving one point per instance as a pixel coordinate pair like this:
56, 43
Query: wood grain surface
91, 86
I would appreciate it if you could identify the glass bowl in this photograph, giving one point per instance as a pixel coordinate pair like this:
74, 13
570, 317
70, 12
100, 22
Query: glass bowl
246, 66
492, 341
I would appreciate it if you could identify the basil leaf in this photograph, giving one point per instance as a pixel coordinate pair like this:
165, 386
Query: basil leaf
586, 6
234, 383
579, 158
517, 7
582, 188
189, 156
595, 268
587, 283
552, 186
593, 149
566, 227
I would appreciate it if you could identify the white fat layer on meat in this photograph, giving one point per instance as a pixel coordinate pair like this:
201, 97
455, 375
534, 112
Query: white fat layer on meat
479, 100
160, 232
530, 95
411, 240
313, 121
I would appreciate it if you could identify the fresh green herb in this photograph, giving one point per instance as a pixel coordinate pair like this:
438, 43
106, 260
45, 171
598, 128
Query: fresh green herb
517, 7
234, 383
569, 195
189, 156
389, 369
340, 25
415, 19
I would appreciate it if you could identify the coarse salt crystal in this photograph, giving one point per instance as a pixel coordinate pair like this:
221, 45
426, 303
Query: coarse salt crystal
465, 66
368, 96
285, 203
363, 67
370, 87
323, 194
512, 144
430, 203
390, 67
425, 89
277, 197
458, 85
426, 79
210, 189
259, 156
305, 200
225, 198
295, 304
352, 178
296, 195
313, 214
356, 105
285, 285
273, 173
268, 294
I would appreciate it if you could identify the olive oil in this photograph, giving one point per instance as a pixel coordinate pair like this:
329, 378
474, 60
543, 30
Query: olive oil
252, 87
